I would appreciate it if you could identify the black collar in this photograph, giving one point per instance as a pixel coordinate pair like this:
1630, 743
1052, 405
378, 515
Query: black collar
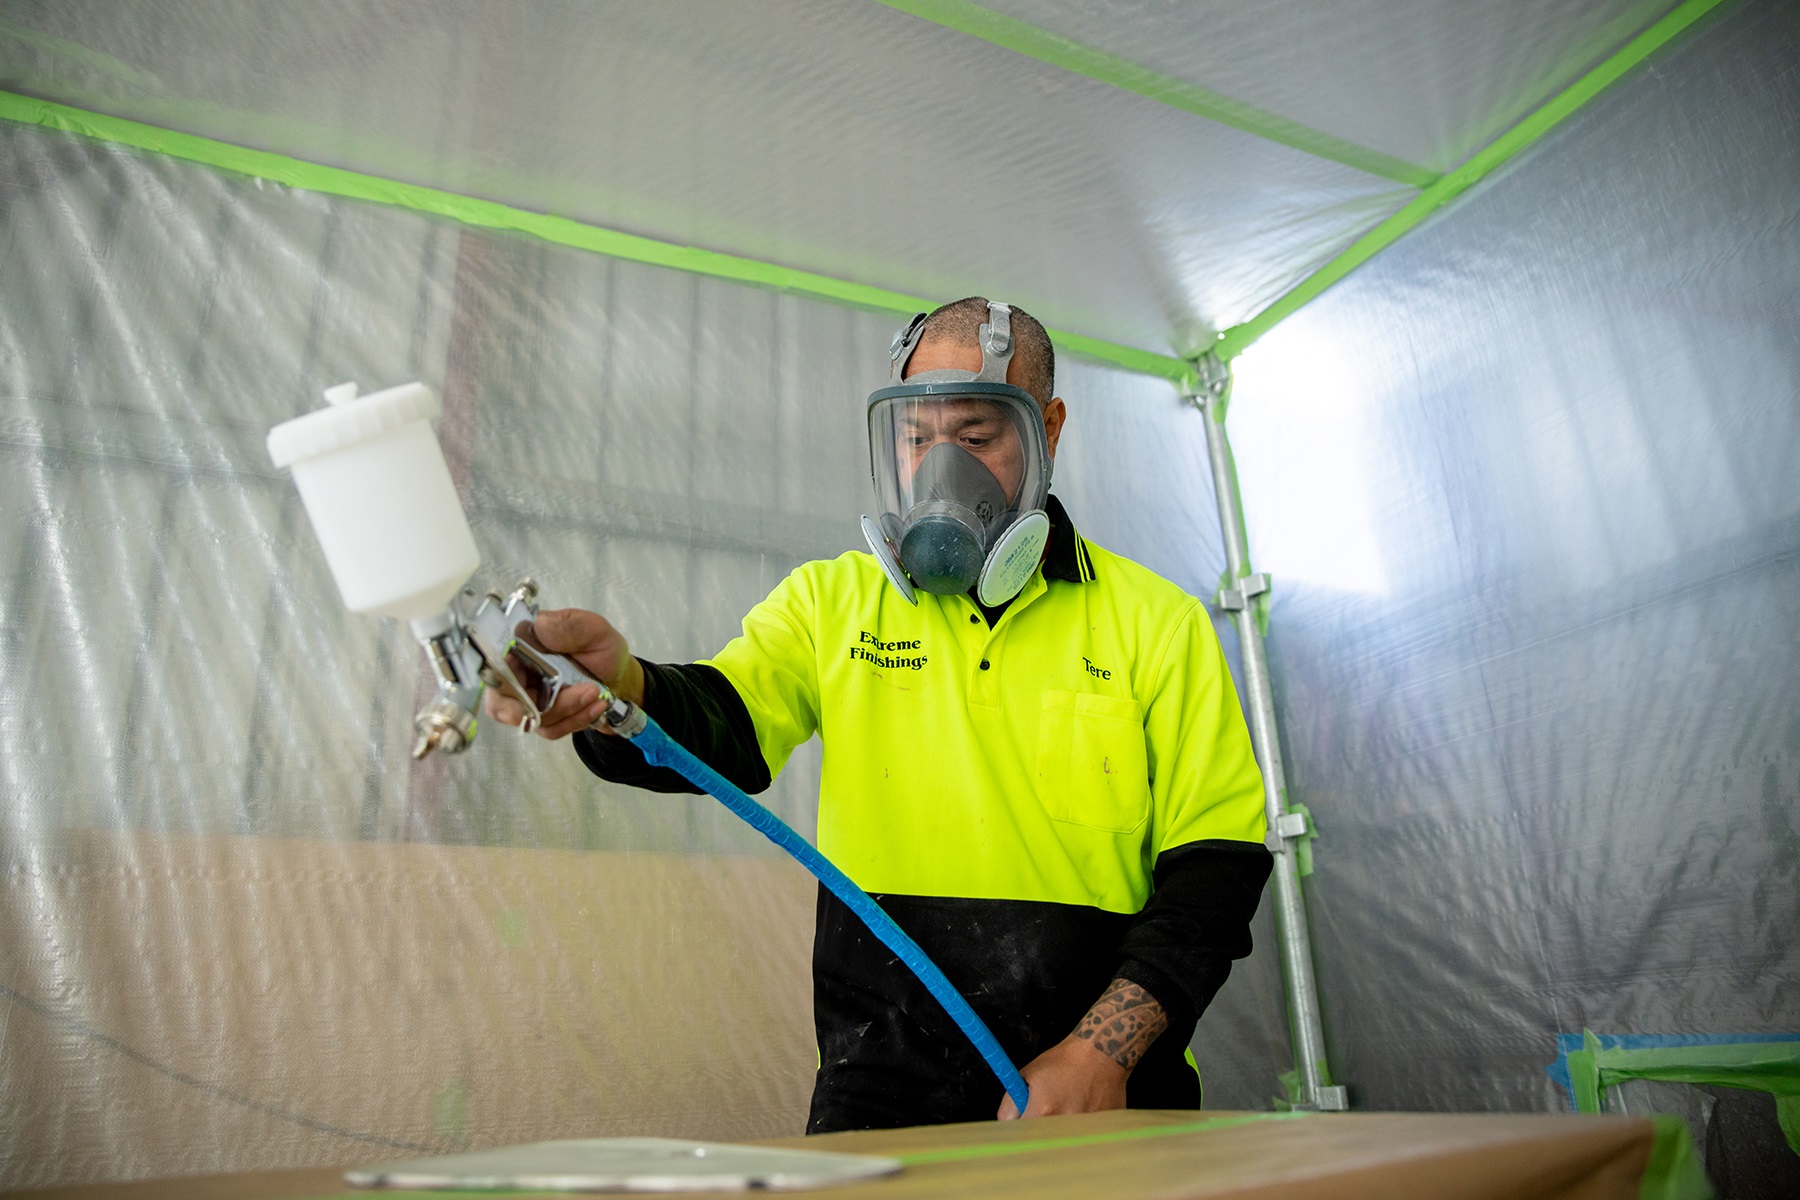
1067, 558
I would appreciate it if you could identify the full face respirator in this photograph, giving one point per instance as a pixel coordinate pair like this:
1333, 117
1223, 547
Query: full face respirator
961, 465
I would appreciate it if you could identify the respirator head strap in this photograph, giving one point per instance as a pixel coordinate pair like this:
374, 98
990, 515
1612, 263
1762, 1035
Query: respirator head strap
995, 338
905, 341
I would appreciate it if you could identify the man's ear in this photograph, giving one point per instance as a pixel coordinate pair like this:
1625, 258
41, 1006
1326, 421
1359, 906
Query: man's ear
1055, 413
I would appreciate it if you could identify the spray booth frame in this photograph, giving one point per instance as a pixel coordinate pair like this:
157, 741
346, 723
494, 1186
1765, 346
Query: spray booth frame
1203, 378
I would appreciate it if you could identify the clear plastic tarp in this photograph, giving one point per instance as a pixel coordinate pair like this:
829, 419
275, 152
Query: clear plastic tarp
1527, 487
1524, 483
1427, 82
241, 928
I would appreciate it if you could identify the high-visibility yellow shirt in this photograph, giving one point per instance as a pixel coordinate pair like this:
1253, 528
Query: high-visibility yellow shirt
1051, 757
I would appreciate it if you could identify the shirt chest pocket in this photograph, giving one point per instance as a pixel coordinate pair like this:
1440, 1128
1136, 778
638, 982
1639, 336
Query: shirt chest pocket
1091, 765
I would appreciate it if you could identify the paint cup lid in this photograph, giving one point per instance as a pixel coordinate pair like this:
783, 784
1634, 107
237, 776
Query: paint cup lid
349, 419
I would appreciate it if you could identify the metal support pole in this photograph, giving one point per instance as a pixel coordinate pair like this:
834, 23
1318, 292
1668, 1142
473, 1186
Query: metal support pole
1238, 597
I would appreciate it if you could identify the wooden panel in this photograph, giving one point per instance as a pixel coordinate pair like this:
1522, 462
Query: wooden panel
1172, 1156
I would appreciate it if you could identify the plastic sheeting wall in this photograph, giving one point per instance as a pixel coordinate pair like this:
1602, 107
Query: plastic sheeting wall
238, 928
1528, 487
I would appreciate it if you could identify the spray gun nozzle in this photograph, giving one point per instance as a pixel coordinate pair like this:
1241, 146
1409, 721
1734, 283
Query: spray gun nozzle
444, 725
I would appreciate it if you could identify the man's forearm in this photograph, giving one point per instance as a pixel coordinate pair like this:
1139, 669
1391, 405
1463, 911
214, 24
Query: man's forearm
1122, 1023
1181, 946
1087, 1070
697, 706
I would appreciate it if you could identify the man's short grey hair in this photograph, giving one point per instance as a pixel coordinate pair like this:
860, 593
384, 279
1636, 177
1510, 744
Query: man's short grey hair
960, 322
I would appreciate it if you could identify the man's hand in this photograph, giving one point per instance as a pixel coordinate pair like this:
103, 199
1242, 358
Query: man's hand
590, 640
1086, 1071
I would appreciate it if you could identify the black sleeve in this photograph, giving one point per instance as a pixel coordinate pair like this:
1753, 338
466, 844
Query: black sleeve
697, 706
1181, 947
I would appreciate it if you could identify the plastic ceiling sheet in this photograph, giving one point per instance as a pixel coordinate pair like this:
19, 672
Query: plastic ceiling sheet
239, 928
1424, 81
840, 136
1526, 485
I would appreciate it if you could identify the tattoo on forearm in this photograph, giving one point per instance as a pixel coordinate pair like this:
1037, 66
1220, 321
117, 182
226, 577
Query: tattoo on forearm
1123, 1023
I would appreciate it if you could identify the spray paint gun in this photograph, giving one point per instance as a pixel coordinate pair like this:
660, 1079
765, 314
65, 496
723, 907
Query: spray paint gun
380, 498
469, 648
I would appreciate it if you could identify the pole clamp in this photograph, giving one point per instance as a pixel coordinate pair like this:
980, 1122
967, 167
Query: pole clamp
1236, 599
1284, 829
1212, 372
1207, 387
1334, 1099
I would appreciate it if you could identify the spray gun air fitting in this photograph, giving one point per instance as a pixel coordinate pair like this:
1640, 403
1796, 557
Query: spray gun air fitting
380, 497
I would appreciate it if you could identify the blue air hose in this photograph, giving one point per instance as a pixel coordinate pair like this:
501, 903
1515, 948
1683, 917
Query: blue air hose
661, 750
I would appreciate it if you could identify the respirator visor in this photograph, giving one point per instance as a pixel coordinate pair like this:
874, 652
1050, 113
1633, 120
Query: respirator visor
955, 466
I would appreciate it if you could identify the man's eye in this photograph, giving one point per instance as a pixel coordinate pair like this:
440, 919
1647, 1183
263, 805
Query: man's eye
976, 442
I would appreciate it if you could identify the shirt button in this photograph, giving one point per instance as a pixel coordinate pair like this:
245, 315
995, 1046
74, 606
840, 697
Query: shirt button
984, 664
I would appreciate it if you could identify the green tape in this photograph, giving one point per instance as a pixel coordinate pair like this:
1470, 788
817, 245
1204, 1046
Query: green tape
1497, 153
1290, 1090
1772, 1067
1584, 1076
1674, 1171
1144, 362
487, 214
1012, 34
1001, 1149
1303, 845
1290, 1085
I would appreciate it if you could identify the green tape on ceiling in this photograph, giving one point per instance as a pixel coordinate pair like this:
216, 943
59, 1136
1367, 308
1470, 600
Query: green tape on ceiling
1012, 34
487, 214
1453, 184
1160, 366
1772, 1067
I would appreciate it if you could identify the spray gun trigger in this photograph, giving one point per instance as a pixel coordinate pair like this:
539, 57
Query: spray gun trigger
481, 644
551, 681
494, 660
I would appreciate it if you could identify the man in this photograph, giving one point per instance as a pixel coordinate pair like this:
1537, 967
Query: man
1034, 758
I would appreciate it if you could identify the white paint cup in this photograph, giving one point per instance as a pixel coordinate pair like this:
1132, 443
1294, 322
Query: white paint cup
379, 495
